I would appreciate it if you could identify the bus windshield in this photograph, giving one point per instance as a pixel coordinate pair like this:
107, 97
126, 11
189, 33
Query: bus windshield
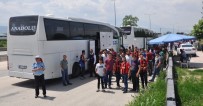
21, 26
126, 30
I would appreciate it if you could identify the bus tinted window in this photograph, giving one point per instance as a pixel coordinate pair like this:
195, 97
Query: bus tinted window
91, 30
77, 30
56, 29
126, 30
103, 28
26, 25
142, 33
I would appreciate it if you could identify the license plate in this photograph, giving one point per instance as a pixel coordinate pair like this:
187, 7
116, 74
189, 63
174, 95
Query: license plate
187, 50
22, 67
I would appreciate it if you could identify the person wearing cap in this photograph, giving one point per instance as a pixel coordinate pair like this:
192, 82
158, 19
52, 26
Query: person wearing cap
157, 66
64, 71
38, 72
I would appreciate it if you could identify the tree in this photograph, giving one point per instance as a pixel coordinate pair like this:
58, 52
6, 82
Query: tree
198, 30
129, 20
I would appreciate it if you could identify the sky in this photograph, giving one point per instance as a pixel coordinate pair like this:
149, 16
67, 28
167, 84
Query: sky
165, 15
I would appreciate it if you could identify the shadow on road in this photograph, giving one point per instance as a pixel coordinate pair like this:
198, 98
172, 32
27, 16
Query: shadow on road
47, 98
56, 84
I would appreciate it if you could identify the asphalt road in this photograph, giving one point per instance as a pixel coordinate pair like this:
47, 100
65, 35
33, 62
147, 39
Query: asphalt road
20, 92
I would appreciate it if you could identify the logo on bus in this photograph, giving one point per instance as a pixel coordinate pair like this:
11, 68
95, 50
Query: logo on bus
23, 28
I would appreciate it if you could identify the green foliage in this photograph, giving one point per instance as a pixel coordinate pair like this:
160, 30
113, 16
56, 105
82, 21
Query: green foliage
3, 43
129, 20
198, 29
155, 95
189, 86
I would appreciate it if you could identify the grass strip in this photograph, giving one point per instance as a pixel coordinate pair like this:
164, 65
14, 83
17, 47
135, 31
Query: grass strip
189, 87
155, 95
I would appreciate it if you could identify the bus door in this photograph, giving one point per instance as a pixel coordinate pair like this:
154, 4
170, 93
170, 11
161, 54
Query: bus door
106, 40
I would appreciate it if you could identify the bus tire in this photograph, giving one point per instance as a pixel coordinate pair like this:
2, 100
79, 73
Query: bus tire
76, 70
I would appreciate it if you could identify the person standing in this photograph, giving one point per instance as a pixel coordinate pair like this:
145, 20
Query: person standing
104, 55
134, 71
143, 71
82, 64
125, 67
157, 66
149, 59
117, 65
109, 68
91, 63
128, 59
64, 71
38, 72
100, 70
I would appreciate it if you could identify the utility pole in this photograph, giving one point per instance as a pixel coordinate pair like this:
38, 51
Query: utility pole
114, 10
150, 26
202, 10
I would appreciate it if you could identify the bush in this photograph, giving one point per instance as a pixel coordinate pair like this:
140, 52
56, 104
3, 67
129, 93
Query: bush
3, 43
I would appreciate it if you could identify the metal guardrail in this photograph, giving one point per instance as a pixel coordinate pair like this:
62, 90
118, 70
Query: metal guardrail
170, 93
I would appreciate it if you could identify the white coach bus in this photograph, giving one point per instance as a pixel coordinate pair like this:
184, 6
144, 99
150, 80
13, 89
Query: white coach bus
51, 38
136, 36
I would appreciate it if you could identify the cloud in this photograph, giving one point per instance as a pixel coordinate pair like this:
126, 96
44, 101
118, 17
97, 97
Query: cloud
180, 15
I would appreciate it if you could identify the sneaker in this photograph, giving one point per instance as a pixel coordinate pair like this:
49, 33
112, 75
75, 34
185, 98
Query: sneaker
125, 91
151, 80
132, 90
36, 96
45, 96
69, 83
81, 78
97, 90
103, 90
110, 87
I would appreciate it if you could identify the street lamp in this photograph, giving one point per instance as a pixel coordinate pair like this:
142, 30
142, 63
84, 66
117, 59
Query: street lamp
114, 10
149, 19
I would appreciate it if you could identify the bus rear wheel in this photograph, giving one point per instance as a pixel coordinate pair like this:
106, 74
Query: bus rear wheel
76, 70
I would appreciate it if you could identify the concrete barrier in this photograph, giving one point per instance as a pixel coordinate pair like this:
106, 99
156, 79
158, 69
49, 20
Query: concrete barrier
3, 49
170, 92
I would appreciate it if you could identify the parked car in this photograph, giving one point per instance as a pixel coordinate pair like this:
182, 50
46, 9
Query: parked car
188, 48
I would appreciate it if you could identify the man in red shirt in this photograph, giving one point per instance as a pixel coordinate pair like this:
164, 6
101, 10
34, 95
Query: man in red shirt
125, 67
143, 71
109, 70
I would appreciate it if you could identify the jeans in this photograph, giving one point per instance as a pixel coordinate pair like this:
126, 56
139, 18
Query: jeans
156, 72
135, 81
91, 69
82, 71
118, 77
150, 66
65, 76
40, 80
143, 76
125, 77
108, 78
102, 83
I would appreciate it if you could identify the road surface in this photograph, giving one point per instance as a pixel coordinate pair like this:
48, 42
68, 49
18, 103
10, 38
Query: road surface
20, 92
